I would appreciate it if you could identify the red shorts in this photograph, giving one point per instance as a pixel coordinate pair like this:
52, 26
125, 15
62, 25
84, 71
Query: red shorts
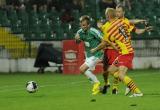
124, 60
111, 55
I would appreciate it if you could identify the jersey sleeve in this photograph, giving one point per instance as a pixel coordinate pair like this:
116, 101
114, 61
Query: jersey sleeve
97, 33
102, 28
105, 37
79, 33
131, 27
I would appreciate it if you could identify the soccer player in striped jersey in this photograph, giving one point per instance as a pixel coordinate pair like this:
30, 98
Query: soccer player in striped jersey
111, 53
119, 34
120, 13
91, 38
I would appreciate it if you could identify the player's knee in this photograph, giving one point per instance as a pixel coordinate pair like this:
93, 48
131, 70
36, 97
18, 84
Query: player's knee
110, 71
82, 70
121, 76
122, 72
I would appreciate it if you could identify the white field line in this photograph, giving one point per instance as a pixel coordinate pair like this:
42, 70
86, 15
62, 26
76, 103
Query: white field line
7, 88
14, 86
49, 85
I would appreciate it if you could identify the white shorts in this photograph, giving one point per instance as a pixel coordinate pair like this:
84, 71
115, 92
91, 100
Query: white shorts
91, 62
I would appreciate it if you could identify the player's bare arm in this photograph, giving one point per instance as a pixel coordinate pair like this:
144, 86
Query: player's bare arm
136, 21
99, 47
140, 31
111, 44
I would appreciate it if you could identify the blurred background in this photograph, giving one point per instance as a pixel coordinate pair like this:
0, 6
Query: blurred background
25, 24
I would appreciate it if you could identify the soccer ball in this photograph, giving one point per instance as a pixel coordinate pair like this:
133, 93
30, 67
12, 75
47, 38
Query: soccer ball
31, 86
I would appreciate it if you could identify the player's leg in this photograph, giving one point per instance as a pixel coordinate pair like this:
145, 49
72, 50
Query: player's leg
123, 77
116, 78
106, 81
93, 79
105, 74
112, 70
87, 69
107, 85
84, 68
123, 62
128, 81
115, 83
109, 56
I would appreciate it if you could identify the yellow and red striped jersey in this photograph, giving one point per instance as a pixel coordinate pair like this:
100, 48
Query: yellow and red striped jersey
131, 27
104, 29
119, 33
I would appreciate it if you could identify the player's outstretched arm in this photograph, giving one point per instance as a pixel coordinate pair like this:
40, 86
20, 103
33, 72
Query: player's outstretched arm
99, 47
141, 31
136, 21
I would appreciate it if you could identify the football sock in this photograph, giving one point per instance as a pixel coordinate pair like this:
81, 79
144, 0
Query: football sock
129, 82
91, 76
115, 81
106, 79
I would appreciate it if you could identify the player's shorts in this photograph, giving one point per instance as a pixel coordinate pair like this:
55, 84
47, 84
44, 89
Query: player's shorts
110, 55
91, 62
124, 60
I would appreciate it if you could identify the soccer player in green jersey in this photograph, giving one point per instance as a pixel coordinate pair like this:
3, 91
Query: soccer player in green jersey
91, 38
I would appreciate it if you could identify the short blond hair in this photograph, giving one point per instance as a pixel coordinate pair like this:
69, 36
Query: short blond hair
110, 12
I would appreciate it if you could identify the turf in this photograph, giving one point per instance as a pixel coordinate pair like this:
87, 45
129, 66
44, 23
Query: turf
73, 92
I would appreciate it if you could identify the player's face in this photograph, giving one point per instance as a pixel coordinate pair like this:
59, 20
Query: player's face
84, 25
119, 12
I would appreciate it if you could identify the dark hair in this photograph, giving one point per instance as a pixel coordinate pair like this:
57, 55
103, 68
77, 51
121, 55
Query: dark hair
85, 18
120, 6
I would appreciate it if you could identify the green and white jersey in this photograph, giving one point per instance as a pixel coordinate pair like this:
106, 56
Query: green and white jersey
92, 38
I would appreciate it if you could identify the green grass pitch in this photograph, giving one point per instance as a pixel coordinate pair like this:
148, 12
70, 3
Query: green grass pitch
73, 92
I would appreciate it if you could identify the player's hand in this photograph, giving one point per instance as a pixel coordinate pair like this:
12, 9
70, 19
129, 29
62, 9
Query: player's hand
99, 24
149, 28
93, 50
77, 37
